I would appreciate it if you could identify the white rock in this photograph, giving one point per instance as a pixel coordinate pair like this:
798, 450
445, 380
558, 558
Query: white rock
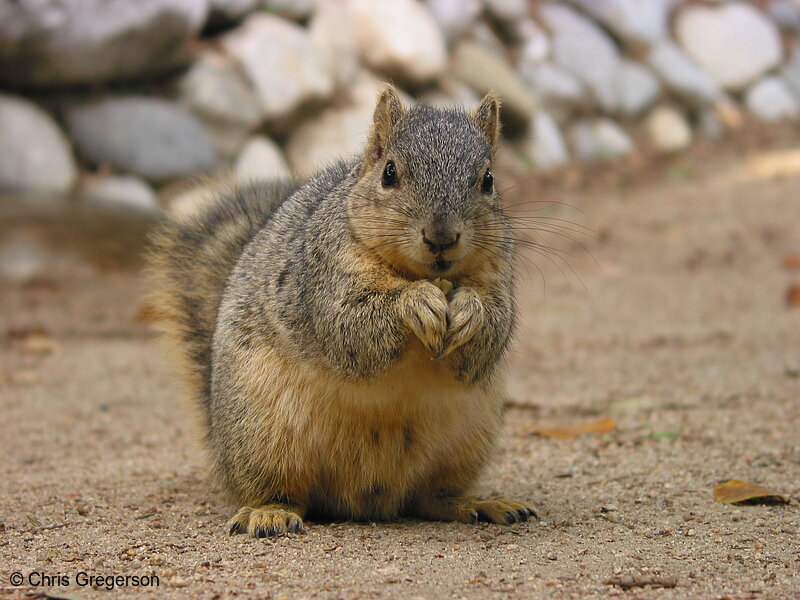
735, 43
64, 42
400, 38
548, 149
638, 21
554, 85
668, 129
585, 50
455, 16
484, 70
637, 88
34, 154
332, 34
338, 132
682, 76
260, 159
214, 89
599, 140
534, 44
786, 13
771, 100
122, 191
451, 93
282, 64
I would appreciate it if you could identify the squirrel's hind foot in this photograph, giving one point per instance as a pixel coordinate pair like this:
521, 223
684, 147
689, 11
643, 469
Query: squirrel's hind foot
267, 520
503, 511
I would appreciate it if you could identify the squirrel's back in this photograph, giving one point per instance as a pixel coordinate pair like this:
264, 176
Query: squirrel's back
191, 259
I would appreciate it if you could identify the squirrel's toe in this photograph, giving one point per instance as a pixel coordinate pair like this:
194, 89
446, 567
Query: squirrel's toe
268, 520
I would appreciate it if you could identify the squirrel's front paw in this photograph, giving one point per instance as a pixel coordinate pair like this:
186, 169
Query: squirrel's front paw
423, 307
267, 520
466, 318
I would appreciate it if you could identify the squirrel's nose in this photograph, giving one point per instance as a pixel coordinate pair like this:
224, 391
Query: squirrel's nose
440, 241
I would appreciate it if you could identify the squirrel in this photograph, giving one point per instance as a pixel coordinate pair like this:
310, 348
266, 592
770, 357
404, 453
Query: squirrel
338, 374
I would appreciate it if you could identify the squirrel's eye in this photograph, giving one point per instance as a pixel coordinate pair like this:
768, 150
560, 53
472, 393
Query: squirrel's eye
488, 182
389, 178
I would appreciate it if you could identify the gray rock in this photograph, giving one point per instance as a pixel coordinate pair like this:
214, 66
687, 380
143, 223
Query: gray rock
260, 159
230, 11
637, 88
484, 70
227, 138
786, 13
289, 9
399, 38
548, 149
554, 85
791, 72
507, 11
47, 43
599, 140
215, 89
668, 129
710, 125
154, 139
771, 100
637, 21
281, 62
455, 16
34, 154
682, 76
122, 192
735, 43
585, 50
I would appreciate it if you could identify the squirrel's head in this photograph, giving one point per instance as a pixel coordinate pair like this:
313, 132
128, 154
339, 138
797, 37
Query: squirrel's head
426, 199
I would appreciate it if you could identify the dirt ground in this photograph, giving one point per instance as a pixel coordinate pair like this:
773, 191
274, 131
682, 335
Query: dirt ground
678, 328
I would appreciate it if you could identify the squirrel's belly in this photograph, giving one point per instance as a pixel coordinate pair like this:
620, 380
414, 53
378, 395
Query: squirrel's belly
367, 447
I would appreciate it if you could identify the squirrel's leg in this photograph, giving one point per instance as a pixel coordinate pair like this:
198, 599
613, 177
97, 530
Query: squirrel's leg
267, 520
448, 505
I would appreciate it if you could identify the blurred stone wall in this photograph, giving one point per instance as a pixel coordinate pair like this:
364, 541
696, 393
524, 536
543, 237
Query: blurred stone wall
117, 103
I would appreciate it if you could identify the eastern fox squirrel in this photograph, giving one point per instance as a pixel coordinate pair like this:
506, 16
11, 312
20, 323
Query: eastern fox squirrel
336, 378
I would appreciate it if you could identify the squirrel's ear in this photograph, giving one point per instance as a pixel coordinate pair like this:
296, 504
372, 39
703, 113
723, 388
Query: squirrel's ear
388, 112
487, 115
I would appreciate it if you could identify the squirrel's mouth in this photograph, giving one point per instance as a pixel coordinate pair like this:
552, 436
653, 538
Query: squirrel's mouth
440, 266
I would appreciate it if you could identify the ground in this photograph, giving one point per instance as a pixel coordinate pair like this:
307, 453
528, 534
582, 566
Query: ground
675, 324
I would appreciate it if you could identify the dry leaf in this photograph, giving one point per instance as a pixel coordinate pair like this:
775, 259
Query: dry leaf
735, 492
605, 425
793, 295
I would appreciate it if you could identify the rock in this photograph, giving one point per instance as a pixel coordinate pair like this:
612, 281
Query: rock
290, 9
534, 44
548, 149
338, 132
585, 50
771, 100
682, 76
507, 11
260, 159
709, 124
668, 129
227, 138
791, 72
735, 43
399, 38
332, 34
221, 12
282, 64
786, 13
122, 192
54, 43
554, 85
484, 71
154, 139
599, 140
34, 154
451, 93
635, 21
214, 89
455, 16
26, 254
637, 88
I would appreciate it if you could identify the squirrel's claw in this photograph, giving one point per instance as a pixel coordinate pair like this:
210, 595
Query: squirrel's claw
423, 307
466, 319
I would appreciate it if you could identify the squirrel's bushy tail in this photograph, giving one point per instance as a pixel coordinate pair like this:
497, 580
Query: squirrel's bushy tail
192, 257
